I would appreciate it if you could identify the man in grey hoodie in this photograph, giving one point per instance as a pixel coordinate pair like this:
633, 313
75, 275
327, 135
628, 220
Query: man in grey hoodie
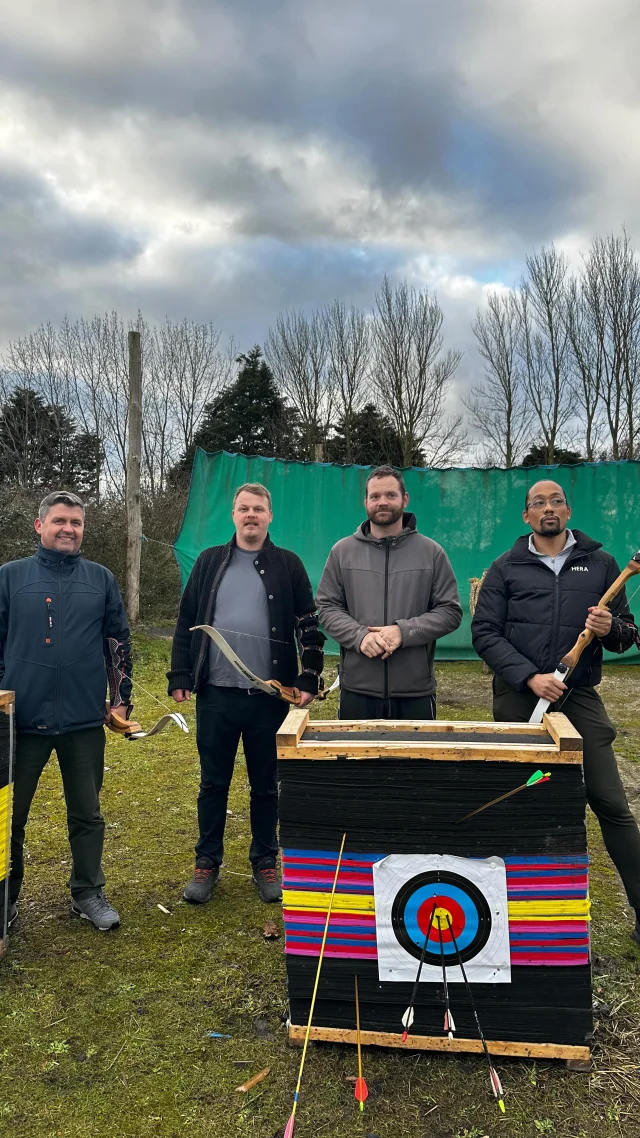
386, 595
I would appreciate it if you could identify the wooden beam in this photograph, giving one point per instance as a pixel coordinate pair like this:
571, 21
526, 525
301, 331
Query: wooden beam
451, 752
7, 700
562, 731
132, 483
439, 1043
291, 730
443, 725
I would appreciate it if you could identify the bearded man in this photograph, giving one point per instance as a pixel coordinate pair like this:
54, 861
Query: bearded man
386, 595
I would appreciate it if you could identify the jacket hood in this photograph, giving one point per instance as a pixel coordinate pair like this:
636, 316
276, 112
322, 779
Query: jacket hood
583, 542
409, 526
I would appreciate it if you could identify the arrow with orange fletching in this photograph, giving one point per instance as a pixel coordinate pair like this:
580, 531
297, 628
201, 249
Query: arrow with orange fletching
361, 1090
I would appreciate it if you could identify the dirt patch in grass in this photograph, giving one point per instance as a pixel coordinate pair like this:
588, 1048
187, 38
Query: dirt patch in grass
110, 1034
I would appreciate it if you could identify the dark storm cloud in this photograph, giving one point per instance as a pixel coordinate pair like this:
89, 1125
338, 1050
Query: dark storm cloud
227, 158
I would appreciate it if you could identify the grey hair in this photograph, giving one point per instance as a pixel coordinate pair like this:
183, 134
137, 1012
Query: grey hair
62, 497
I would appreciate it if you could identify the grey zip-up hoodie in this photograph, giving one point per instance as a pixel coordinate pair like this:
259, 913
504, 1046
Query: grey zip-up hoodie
405, 580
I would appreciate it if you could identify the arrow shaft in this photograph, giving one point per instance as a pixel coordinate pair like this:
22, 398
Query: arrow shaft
315, 987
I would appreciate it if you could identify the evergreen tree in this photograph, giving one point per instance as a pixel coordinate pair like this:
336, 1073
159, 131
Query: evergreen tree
373, 438
249, 416
537, 456
41, 448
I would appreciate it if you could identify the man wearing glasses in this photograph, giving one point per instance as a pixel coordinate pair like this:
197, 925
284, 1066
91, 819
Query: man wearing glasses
534, 602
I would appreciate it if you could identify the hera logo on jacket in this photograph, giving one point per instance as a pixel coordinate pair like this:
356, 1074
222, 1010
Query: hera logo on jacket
579, 569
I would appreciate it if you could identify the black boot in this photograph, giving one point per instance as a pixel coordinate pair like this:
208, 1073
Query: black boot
635, 935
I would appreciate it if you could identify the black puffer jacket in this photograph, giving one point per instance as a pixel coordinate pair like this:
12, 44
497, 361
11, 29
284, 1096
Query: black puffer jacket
527, 618
292, 617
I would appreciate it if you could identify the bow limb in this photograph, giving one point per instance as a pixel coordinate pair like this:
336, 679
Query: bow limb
269, 687
133, 731
570, 659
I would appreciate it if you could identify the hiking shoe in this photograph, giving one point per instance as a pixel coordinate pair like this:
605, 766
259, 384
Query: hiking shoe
13, 914
97, 910
268, 882
206, 873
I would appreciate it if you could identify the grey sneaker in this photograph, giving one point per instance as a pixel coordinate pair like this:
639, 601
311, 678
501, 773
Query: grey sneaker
268, 882
13, 914
205, 876
97, 910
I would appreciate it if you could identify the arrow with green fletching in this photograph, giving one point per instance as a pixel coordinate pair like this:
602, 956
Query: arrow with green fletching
536, 779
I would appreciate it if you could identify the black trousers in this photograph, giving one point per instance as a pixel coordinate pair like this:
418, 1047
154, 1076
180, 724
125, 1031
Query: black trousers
81, 760
605, 792
223, 717
353, 705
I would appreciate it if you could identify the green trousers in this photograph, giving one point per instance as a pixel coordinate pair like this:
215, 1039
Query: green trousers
605, 792
81, 759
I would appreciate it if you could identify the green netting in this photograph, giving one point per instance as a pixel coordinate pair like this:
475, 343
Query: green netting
475, 514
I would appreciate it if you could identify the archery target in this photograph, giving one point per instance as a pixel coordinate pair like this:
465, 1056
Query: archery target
457, 901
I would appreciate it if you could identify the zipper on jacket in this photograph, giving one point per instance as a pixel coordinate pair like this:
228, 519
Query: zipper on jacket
554, 620
385, 615
58, 716
49, 621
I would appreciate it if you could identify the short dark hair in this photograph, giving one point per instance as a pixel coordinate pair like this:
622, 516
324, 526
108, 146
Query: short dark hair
385, 472
59, 497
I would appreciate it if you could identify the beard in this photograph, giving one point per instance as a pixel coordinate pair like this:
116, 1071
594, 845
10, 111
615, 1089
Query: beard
384, 516
550, 527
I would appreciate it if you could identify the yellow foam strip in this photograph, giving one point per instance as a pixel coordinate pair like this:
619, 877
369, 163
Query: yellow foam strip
319, 902
5, 814
567, 910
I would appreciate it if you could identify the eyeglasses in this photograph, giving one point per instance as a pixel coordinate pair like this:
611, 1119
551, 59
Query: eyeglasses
540, 503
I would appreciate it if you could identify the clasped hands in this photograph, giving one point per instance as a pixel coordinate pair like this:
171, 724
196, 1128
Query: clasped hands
545, 685
381, 640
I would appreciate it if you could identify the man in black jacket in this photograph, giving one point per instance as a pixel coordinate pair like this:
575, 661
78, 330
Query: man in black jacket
534, 603
63, 634
260, 598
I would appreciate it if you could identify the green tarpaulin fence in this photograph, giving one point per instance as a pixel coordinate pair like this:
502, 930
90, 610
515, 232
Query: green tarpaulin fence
475, 514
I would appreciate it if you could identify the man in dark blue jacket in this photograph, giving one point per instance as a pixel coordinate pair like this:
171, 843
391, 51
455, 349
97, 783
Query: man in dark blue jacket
63, 632
534, 602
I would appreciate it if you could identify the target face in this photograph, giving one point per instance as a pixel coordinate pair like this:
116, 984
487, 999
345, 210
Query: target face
458, 905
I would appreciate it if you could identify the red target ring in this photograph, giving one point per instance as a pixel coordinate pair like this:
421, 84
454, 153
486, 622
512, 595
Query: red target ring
438, 931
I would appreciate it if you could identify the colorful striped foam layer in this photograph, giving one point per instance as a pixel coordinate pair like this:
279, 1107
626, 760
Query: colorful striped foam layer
548, 905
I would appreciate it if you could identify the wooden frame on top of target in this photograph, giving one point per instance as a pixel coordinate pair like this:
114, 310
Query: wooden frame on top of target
489, 828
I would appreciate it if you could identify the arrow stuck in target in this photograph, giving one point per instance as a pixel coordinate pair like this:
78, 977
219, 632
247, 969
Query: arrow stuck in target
537, 778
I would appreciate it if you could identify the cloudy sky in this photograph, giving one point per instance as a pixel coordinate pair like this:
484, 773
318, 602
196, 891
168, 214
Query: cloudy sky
226, 159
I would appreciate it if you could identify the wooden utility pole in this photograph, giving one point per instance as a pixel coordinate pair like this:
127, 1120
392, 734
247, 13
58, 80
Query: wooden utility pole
134, 451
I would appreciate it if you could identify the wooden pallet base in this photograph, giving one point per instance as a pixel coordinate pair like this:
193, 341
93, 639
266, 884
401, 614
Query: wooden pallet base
439, 1043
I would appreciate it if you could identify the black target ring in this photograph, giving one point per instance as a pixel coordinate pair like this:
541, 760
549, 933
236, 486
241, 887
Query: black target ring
466, 904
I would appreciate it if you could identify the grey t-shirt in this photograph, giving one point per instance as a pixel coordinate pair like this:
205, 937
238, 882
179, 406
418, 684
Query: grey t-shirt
241, 606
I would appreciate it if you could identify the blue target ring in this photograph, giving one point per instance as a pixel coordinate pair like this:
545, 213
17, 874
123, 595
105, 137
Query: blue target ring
466, 905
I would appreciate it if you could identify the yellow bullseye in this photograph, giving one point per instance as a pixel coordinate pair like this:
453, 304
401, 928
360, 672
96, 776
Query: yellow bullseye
443, 917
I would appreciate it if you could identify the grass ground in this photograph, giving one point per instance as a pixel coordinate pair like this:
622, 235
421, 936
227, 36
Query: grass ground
107, 1034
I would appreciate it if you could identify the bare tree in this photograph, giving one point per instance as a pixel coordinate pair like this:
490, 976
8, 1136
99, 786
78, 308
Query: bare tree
412, 378
82, 370
544, 346
587, 367
611, 290
297, 352
498, 407
348, 334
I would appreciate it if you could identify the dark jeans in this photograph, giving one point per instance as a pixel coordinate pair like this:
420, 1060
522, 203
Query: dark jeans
605, 792
353, 705
224, 716
81, 760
